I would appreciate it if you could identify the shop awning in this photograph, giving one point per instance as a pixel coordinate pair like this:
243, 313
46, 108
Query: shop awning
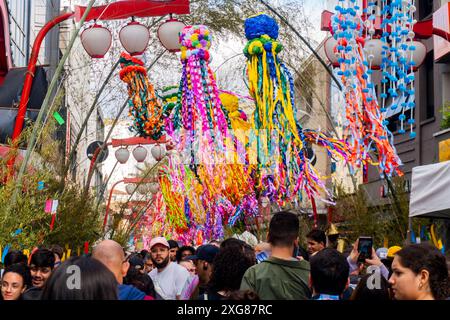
430, 191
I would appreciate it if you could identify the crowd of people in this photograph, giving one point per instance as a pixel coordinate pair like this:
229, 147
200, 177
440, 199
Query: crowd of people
229, 270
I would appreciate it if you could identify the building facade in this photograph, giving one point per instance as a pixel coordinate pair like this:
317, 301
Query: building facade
432, 92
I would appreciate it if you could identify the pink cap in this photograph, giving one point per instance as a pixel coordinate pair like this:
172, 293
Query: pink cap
159, 240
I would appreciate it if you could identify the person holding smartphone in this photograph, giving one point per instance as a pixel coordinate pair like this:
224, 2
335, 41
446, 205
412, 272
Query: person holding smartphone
360, 256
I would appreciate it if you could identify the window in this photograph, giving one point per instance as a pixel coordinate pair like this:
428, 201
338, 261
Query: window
19, 29
425, 9
429, 65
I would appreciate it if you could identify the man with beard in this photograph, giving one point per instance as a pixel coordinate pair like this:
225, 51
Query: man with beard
41, 266
168, 277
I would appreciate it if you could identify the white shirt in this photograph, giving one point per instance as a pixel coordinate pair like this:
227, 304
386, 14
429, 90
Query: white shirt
170, 282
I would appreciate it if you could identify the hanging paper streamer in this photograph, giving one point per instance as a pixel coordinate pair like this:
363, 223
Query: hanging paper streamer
40, 185
58, 118
5, 252
144, 107
199, 111
55, 204
275, 121
52, 223
397, 65
366, 130
48, 206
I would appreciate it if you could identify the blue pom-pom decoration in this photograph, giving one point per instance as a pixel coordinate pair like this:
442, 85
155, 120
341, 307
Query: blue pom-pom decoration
259, 25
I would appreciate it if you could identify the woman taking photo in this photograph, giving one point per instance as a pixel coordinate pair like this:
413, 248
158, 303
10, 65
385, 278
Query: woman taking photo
14, 281
419, 272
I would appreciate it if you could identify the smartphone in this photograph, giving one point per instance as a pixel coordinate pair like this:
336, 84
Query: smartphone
365, 245
260, 257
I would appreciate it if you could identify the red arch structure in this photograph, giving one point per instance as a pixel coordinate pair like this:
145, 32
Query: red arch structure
5, 45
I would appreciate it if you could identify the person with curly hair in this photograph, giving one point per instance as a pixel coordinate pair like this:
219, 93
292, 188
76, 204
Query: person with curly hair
230, 266
419, 272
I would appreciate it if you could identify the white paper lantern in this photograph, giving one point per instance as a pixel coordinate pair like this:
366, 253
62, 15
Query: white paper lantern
373, 49
143, 188
96, 40
329, 46
122, 155
130, 188
134, 38
154, 187
140, 153
418, 54
158, 152
169, 34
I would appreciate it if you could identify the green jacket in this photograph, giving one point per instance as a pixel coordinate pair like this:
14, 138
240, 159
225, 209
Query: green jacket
277, 279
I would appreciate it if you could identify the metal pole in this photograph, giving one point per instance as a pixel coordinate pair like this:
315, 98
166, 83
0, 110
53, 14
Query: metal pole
103, 187
109, 202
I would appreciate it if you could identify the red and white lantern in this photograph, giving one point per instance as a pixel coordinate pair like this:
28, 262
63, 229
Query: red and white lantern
373, 48
329, 46
96, 40
122, 155
140, 153
158, 152
169, 34
134, 38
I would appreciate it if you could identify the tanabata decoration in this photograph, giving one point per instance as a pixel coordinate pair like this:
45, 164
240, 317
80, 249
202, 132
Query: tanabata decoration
170, 96
199, 111
144, 107
203, 186
398, 59
279, 136
367, 132
238, 118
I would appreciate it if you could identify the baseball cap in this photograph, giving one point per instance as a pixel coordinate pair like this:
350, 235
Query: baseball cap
159, 240
382, 253
393, 250
206, 252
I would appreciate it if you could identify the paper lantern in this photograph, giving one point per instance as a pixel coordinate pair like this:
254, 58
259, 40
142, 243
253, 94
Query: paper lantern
373, 48
419, 52
130, 188
154, 187
96, 40
122, 155
169, 34
329, 47
140, 153
158, 152
134, 38
143, 188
